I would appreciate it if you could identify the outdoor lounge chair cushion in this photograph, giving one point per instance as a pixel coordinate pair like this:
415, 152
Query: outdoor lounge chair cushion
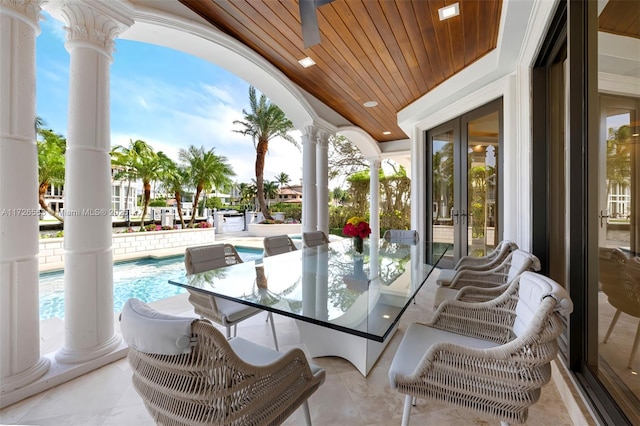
530, 296
231, 311
418, 339
258, 354
150, 331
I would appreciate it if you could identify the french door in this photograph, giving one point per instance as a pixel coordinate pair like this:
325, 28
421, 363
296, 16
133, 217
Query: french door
463, 181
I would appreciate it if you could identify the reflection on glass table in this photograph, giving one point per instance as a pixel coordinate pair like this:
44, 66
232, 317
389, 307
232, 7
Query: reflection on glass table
346, 304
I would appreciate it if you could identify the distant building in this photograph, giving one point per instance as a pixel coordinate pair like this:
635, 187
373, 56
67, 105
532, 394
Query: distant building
290, 194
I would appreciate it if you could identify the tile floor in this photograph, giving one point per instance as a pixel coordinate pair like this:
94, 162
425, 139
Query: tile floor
106, 397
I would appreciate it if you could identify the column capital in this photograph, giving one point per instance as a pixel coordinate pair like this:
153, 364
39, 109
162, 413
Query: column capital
323, 137
27, 11
374, 163
309, 133
93, 24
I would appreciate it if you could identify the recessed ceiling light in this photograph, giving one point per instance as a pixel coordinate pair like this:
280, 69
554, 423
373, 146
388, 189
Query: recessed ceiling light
449, 11
386, 133
370, 104
306, 62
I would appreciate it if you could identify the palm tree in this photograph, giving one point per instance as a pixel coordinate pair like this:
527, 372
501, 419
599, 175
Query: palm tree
206, 170
122, 158
248, 193
270, 189
51, 165
173, 181
283, 179
142, 163
265, 122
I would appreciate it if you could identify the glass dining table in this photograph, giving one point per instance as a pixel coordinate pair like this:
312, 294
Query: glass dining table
345, 303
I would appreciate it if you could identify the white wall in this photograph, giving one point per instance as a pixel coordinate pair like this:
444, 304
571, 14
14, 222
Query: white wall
131, 245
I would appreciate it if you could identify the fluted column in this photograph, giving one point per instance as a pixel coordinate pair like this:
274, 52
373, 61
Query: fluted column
89, 329
374, 197
20, 361
322, 181
309, 191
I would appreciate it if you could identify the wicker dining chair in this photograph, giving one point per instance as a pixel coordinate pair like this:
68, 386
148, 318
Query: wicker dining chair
620, 279
492, 358
500, 276
314, 238
479, 263
188, 373
405, 236
221, 311
278, 244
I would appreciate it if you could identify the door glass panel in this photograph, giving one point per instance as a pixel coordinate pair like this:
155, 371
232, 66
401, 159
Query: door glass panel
619, 264
482, 179
442, 184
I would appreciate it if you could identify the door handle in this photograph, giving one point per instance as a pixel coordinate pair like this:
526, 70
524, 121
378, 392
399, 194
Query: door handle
454, 214
603, 216
463, 216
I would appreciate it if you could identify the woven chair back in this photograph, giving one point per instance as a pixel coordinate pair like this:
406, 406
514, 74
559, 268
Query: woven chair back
208, 257
314, 238
278, 244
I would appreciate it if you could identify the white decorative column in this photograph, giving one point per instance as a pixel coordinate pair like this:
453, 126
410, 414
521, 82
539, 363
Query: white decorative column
322, 181
309, 192
89, 316
374, 197
20, 361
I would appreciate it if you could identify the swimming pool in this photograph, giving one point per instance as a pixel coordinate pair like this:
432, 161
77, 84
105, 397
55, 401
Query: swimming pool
146, 279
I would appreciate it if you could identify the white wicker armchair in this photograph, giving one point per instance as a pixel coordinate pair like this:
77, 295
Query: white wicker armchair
278, 244
501, 276
479, 263
314, 238
219, 310
491, 357
187, 373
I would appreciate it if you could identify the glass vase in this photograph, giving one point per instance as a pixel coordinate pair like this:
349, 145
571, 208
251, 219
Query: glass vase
358, 244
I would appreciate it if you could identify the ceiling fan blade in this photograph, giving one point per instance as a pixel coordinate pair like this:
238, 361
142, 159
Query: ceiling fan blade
309, 21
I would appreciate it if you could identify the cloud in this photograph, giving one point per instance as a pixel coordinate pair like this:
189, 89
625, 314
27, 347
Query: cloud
53, 26
176, 115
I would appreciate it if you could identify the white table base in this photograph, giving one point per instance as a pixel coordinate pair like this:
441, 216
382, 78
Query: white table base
359, 351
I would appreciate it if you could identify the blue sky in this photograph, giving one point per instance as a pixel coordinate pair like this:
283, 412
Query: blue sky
167, 98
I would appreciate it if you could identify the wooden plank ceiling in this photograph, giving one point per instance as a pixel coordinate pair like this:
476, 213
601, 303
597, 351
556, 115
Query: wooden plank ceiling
391, 52
621, 17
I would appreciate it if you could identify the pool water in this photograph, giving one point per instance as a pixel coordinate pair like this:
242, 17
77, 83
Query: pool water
146, 279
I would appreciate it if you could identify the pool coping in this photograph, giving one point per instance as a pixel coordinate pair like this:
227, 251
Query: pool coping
240, 241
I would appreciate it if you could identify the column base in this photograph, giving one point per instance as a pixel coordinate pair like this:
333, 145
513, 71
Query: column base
72, 356
25, 377
59, 373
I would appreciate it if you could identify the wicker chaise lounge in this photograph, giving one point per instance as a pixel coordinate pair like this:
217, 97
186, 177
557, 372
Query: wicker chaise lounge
188, 373
490, 357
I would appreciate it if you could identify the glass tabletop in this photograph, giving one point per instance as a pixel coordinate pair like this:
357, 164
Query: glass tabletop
330, 285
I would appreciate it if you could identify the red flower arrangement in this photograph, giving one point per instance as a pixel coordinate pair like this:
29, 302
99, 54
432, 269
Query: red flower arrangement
356, 227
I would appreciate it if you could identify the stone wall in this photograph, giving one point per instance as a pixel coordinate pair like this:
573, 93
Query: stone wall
131, 245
